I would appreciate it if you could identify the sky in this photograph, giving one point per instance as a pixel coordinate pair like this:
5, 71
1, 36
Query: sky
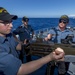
39, 8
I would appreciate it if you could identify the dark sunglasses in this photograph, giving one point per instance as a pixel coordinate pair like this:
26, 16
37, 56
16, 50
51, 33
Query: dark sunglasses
60, 21
26, 20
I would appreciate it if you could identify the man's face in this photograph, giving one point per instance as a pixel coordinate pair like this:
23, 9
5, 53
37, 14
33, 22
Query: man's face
25, 23
5, 27
62, 24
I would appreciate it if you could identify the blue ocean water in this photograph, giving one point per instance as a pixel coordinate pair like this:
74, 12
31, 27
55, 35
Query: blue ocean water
39, 23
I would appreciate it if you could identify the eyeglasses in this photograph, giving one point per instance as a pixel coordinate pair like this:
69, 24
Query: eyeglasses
61, 21
25, 20
6, 22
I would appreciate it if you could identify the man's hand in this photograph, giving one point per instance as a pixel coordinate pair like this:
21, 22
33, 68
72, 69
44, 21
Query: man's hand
57, 54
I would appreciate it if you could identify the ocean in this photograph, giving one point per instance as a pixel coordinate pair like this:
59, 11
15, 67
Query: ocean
40, 23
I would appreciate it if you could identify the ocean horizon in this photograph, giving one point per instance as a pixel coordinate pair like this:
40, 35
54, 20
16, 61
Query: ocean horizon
40, 23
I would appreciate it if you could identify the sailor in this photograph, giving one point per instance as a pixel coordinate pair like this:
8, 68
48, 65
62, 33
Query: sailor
59, 35
10, 64
61, 31
24, 32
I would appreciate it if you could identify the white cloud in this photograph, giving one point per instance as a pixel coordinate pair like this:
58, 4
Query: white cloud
73, 15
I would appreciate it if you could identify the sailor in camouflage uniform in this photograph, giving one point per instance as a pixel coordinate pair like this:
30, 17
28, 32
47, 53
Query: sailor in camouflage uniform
24, 32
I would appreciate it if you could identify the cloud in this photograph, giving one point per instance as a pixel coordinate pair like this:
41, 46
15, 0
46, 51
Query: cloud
73, 15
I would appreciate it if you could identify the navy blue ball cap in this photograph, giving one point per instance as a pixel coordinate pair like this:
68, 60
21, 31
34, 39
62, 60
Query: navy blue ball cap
65, 18
5, 16
25, 19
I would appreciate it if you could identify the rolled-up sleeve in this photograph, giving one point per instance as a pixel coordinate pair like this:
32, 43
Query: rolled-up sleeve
52, 32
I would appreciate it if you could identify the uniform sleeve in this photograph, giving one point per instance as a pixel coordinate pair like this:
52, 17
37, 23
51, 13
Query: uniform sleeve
31, 29
52, 32
9, 64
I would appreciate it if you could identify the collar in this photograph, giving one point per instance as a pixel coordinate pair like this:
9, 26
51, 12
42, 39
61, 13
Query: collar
2, 39
24, 26
58, 29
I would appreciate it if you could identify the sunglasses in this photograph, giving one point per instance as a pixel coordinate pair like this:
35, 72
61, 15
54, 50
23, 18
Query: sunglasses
62, 21
25, 20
